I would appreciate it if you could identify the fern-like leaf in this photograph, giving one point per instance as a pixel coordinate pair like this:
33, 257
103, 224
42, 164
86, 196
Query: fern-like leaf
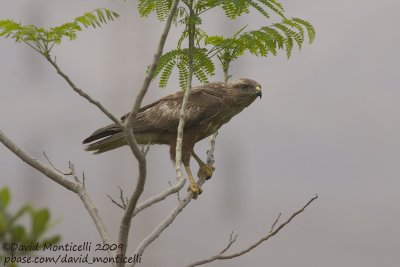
277, 39
43, 40
257, 6
96, 18
235, 9
183, 74
295, 26
309, 27
166, 73
275, 6
203, 67
290, 34
145, 7
160, 7
278, 5
289, 46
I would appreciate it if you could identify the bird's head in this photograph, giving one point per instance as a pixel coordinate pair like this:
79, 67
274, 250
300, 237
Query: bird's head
244, 91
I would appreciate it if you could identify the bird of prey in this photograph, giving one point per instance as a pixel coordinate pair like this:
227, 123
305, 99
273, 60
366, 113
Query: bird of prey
208, 108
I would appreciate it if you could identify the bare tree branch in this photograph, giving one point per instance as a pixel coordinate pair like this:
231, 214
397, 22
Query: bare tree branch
232, 239
82, 93
165, 223
73, 172
54, 167
38, 165
182, 113
211, 149
178, 150
153, 66
161, 196
123, 199
179, 207
94, 214
116, 203
150, 201
140, 156
54, 174
221, 255
275, 222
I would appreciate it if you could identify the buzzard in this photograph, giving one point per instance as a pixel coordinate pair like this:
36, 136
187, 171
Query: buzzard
208, 108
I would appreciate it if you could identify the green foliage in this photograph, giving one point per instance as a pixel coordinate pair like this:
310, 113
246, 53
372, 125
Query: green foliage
12, 231
202, 66
309, 27
161, 8
236, 8
43, 40
267, 40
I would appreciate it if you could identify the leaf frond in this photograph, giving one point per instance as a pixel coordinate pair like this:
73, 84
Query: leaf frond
309, 27
203, 67
43, 40
160, 7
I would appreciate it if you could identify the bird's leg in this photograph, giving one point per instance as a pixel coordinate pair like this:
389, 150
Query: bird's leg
205, 169
193, 186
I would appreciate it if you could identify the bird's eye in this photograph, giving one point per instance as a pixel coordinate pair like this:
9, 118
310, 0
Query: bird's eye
243, 86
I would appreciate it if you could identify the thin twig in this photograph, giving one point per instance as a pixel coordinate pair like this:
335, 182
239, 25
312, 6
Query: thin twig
152, 200
220, 256
275, 222
146, 148
38, 165
54, 167
131, 206
232, 239
82, 93
121, 197
116, 203
73, 173
123, 200
83, 179
161, 196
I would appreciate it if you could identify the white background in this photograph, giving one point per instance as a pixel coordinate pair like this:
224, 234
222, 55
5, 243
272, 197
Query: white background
328, 123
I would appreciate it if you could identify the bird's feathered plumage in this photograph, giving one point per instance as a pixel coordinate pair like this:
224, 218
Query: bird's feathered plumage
208, 108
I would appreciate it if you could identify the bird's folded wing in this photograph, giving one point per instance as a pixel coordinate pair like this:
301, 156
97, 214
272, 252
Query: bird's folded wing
163, 115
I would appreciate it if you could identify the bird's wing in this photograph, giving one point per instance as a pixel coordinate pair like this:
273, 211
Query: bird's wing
163, 115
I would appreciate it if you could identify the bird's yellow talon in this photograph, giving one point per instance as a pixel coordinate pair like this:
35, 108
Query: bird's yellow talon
205, 171
195, 189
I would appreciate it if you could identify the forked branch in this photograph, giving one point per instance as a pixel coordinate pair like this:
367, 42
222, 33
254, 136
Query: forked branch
57, 176
165, 223
178, 208
273, 231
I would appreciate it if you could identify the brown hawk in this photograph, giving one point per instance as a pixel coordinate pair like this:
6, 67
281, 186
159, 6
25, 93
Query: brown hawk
208, 108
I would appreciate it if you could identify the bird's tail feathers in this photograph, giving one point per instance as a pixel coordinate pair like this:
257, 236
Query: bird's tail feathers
109, 143
111, 138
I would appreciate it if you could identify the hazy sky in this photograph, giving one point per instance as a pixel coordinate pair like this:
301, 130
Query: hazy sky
328, 123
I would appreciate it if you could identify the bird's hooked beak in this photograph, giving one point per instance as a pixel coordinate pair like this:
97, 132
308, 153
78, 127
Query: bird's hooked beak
258, 91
